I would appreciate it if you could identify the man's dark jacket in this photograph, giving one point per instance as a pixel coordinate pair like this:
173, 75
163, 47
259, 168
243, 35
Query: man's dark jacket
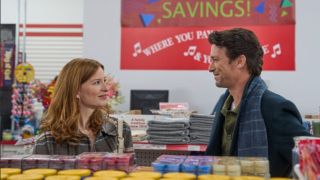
283, 122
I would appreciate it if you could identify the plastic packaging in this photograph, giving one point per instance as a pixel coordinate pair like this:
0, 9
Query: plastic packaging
35, 161
110, 173
26, 177
62, 177
61, 162
10, 171
44, 172
180, 176
142, 175
75, 172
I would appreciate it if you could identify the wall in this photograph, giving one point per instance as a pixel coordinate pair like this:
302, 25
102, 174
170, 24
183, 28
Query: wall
43, 11
102, 41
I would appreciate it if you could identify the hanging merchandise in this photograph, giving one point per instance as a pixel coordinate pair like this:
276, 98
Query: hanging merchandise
22, 101
24, 73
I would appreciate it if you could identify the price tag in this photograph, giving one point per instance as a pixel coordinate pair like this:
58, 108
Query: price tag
193, 148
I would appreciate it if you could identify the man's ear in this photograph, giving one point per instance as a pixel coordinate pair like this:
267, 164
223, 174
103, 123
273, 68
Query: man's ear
241, 61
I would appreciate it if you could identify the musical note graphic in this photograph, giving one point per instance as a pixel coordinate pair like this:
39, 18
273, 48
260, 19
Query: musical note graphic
276, 50
137, 49
191, 51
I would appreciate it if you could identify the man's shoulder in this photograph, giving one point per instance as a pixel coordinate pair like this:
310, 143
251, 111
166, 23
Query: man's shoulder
273, 103
272, 98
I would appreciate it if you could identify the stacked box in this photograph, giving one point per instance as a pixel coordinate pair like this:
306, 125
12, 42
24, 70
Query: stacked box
123, 162
226, 165
90, 160
168, 163
36, 161
197, 165
61, 162
12, 161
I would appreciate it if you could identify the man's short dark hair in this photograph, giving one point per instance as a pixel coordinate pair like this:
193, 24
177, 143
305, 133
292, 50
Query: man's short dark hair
239, 41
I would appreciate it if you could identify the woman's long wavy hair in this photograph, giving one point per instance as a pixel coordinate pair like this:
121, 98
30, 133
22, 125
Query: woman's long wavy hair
63, 115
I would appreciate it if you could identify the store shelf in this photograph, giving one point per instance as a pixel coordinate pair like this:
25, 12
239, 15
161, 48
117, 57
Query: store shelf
169, 147
7, 142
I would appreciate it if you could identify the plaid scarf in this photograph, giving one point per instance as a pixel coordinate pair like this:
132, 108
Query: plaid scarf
252, 135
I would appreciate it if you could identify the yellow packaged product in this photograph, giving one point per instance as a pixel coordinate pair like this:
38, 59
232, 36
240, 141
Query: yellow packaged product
26, 177
100, 178
75, 172
261, 168
182, 176
219, 169
153, 175
213, 177
110, 173
44, 172
234, 170
136, 178
63, 177
10, 171
247, 166
4, 176
247, 178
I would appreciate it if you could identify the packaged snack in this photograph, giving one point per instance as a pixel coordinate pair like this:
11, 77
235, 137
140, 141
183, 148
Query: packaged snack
197, 164
142, 175
10, 171
26, 177
36, 161
183, 176
61, 162
62, 177
44, 172
168, 163
75, 172
110, 173
12, 161
213, 176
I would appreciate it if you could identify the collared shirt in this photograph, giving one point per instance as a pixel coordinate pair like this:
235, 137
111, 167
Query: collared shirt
229, 124
106, 141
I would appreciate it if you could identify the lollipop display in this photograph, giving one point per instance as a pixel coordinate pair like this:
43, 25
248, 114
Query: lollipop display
22, 113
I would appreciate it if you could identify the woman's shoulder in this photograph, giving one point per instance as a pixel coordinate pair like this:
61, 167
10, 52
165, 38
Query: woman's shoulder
44, 137
110, 126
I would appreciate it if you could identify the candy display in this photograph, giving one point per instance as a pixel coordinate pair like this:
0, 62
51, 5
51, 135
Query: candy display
103, 164
218, 165
22, 113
